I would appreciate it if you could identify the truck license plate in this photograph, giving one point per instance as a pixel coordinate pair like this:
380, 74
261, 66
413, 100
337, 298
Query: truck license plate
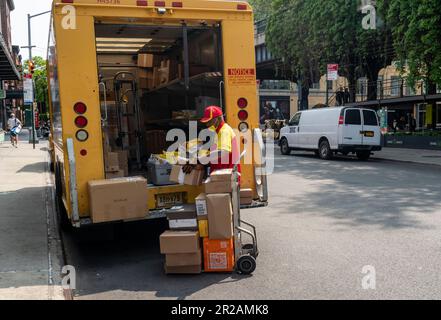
369, 134
169, 199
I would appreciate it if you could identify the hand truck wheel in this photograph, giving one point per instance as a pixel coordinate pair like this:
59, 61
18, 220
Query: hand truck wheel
246, 264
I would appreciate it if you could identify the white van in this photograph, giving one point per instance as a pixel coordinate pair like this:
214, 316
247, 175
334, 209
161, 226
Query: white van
331, 130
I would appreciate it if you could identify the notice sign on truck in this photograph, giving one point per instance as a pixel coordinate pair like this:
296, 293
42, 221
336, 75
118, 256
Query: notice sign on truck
241, 76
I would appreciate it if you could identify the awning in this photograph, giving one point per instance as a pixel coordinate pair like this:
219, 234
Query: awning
8, 71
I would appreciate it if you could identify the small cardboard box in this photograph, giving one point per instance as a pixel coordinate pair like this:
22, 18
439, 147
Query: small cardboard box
218, 255
214, 187
201, 206
145, 60
220, 216
183, 270
146, 83
183, 259
144, 73
116, 174
123, 161
194, 178
183, 217
179, 242
246, 201
222, 175
246, 196
118, 199
203, 228
112, 162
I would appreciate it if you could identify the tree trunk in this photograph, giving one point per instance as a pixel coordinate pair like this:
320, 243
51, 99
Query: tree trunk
372, 78
431, 87
303, 91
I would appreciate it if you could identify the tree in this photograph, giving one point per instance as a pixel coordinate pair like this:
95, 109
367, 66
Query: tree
261, 9
40, 79
416, 33
307, 35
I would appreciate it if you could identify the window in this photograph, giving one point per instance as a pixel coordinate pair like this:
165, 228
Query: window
395, 86
295, 120
370, 118
353, 117
438, 115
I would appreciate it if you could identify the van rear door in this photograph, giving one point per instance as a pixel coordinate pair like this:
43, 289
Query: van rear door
352, 127
371, 128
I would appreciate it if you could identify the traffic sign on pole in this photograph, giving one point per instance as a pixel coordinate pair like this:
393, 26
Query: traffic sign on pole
332, 72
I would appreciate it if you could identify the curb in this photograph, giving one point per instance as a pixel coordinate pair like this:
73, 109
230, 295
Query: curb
408, 162
56, 254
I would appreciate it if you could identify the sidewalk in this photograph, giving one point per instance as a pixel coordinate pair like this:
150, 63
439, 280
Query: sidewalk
30, 249
429, 157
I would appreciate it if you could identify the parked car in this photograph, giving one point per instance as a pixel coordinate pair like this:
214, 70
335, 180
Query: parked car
333, 130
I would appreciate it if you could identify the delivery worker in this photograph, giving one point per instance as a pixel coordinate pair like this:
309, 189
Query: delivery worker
225, 150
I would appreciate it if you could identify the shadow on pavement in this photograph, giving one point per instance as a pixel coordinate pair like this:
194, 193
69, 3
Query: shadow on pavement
126, 257
37, 167
399, 195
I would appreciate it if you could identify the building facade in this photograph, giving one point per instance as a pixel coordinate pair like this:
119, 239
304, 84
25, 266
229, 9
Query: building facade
9, 59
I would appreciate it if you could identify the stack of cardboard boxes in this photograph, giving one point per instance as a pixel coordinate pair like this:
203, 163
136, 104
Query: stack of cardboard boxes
116, 163
146, 64
218, 245
182, 251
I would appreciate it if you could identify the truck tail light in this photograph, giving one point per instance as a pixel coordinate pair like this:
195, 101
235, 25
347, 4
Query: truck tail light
241, 6
242, 103
341, 120
243, 115
81, 122
82, 135
83, 152
159, 3
177, 4
80, 108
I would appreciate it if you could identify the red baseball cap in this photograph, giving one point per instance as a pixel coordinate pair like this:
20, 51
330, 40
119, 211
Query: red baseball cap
211, 113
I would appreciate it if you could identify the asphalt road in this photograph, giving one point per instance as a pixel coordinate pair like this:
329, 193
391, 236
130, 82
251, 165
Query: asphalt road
327, 220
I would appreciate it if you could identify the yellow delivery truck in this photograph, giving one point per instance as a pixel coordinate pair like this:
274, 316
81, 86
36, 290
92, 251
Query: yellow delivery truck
122, 73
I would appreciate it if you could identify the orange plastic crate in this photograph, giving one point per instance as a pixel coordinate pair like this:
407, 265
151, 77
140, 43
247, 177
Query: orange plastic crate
218, 255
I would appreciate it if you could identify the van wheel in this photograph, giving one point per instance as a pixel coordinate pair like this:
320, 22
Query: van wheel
284, 147
325, 152
363, 155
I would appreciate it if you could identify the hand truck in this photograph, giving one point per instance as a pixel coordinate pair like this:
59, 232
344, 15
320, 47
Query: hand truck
245, 255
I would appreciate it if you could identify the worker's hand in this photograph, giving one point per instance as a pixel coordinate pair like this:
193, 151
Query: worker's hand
188, 168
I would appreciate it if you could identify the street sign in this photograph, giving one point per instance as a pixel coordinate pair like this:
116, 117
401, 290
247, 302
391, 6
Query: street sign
2, 94
28, 91
332, 72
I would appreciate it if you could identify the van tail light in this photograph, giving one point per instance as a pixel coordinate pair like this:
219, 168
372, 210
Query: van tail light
341, 120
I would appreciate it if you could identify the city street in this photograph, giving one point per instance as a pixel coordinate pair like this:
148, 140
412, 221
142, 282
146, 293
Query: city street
325, 222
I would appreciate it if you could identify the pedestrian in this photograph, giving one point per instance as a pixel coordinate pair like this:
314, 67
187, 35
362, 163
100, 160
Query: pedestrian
224, 153
14, 127
339, 96
347, 96
412, 123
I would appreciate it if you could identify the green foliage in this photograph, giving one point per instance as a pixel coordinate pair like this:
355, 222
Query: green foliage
416, 32
40, 78
307, 35
261, 9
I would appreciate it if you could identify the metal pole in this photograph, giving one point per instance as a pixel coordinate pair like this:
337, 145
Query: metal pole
32, 79
327, 87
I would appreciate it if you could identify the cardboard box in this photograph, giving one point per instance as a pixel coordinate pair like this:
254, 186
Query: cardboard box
220, 216
218, 255
146, 84
203, 228
144, 73
222, 175
201, 206
145, 60
111, 161
246, 193
246, 201
179, 242
183, 270
183, 259
182, 217
246, 196
155, 141
118, 199
213, 187
123, 161
194, 178
116, 174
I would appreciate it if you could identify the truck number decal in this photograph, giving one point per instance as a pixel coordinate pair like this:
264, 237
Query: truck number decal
108, 1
